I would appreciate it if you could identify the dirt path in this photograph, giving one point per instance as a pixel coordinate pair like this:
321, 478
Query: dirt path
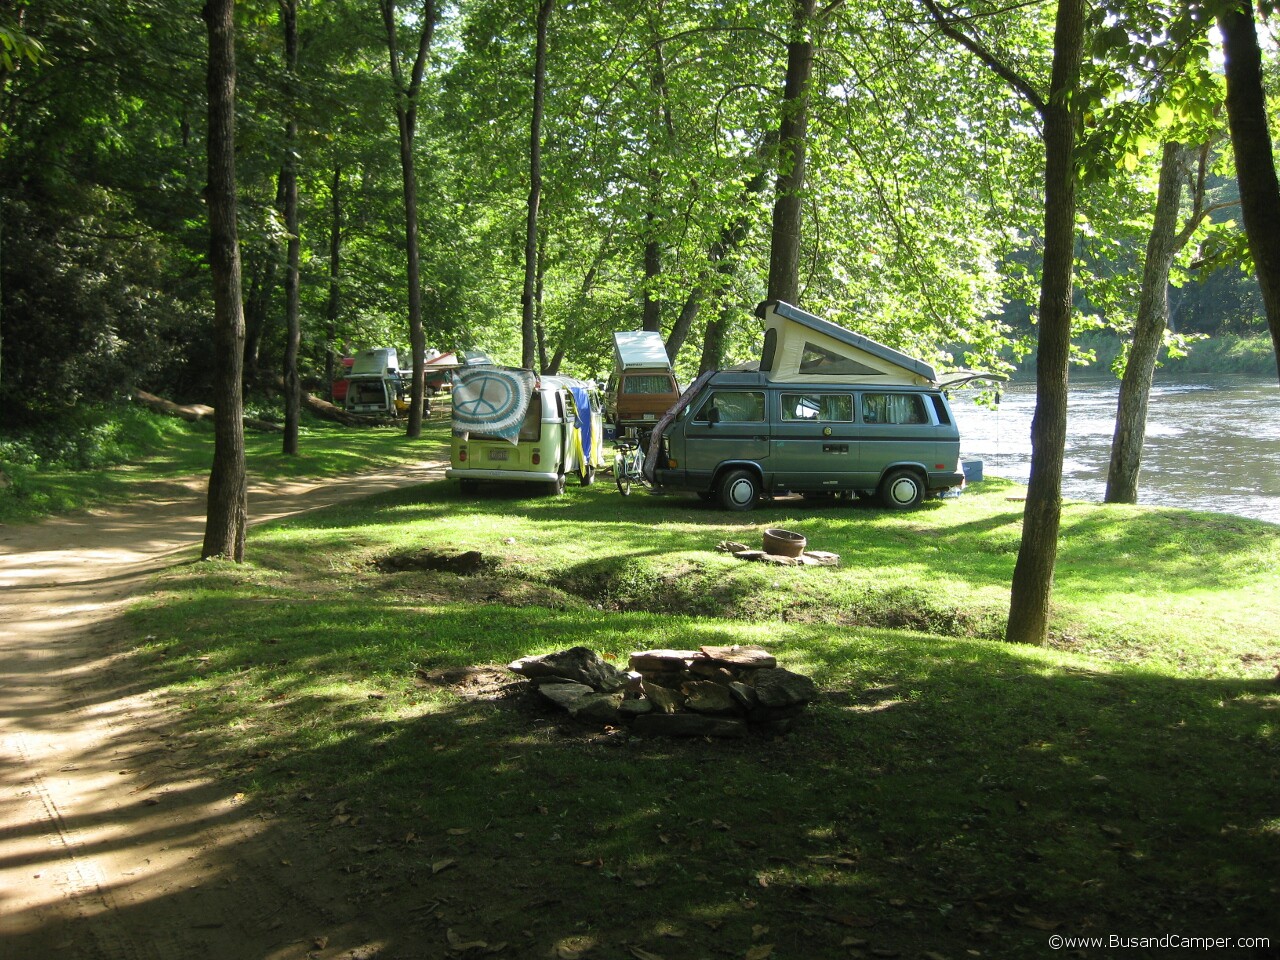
113, 845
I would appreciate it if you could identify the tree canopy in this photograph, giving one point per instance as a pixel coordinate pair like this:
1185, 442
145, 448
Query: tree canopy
664, 150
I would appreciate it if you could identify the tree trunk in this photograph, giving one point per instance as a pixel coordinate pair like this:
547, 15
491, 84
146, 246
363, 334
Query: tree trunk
528, 300
335, 288
1148, 331
406, 121
1033, 574
293, 339
713, 341
1255, 164
227, 516
788, 205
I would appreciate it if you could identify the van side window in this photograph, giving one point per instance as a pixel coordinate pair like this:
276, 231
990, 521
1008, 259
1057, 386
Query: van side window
830, 407
893, 408
740, 406
940, 409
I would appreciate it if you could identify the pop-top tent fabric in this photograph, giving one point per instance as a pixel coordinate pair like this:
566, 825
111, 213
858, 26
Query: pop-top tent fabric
491, 400
799, 347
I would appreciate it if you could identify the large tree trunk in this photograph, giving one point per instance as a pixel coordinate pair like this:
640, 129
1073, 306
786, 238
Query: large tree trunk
406, 121
289, 177
713, 341
227, 518
1033, 574
788, 205
528, 299
1255, 164
1148, 330
335, 287
417, 339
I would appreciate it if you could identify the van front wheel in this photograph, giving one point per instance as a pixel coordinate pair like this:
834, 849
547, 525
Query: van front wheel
901, 490
739, 490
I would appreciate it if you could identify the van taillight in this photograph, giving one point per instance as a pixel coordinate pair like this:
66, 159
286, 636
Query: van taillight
462, 455
537, 458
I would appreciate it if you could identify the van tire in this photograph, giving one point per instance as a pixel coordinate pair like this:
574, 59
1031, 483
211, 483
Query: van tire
556, 487
739, 490
901, 489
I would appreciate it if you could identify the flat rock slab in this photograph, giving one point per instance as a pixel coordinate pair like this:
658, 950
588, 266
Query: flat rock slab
577, 664
741, 656
657, 661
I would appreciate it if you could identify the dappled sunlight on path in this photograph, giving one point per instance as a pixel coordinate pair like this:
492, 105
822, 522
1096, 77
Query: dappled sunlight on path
115, 841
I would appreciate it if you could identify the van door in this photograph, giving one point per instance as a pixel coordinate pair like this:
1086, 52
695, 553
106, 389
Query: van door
897, 427
815, 445
727, 425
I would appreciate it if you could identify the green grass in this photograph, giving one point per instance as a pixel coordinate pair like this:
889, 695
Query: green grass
950, 795
105, 455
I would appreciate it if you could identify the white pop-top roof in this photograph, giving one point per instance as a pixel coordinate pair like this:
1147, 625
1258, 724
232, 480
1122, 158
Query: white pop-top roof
801, 347
640, 348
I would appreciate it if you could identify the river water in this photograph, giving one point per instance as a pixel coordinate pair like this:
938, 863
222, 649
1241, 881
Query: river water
1212, 443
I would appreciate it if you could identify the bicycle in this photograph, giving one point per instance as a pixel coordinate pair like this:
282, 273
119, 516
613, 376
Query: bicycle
628, 464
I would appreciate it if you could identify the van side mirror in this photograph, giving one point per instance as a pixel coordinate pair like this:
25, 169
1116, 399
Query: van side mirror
713, 416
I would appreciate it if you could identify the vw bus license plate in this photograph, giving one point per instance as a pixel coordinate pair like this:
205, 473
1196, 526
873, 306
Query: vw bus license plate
498, 454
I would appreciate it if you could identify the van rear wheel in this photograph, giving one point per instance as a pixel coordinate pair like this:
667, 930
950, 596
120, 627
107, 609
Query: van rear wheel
739, 490
901, 490
556, 486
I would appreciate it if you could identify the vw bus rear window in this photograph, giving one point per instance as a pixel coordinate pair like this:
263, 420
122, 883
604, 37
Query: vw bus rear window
647, 383
530, 428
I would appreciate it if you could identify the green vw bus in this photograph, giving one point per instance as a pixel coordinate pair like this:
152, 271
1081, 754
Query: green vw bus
825, 411
514, 426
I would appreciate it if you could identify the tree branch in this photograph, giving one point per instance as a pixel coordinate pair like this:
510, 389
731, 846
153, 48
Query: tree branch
1001, 69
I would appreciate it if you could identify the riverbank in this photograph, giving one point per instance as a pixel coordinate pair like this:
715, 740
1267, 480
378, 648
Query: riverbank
1226, 355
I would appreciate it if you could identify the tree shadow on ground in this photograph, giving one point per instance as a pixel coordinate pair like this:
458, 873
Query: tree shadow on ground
943, 796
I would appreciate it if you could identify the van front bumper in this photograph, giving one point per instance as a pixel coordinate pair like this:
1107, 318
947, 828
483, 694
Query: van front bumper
534, 475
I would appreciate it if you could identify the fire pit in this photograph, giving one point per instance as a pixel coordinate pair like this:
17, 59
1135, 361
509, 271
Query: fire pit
712, 691
784, 543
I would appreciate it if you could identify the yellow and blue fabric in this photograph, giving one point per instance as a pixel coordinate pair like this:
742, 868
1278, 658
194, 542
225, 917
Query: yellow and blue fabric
590, 449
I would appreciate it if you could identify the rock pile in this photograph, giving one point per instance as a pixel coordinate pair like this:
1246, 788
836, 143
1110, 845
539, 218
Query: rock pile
713, 691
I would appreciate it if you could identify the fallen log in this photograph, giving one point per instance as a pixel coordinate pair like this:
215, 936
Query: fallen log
195, 412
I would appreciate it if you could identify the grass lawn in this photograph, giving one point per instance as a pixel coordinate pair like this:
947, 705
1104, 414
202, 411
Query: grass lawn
133, 450
950, 795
